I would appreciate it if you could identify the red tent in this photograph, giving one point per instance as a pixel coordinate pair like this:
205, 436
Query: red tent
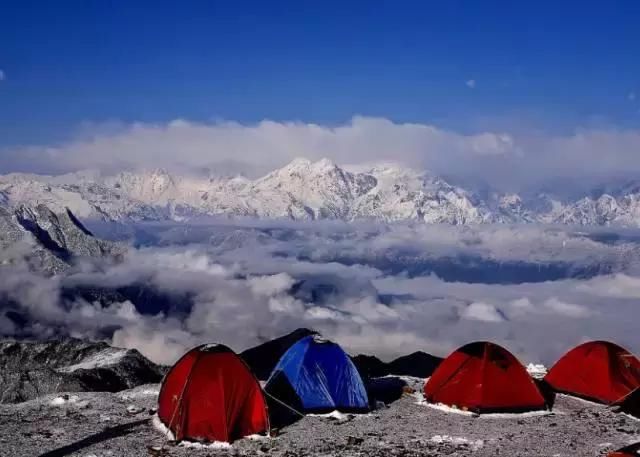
628, 451
630, 404
484, 377
211, 395
597, 370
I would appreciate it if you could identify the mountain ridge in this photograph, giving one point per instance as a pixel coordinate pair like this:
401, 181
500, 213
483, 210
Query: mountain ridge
306, 190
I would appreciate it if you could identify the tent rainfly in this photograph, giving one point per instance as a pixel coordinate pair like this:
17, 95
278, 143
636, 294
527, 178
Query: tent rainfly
598, 370
211, 395
316, 376
483, 377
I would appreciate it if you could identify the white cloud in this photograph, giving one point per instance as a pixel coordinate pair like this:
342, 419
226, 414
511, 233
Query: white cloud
354, 283
266, 145
471, 83
617, 286
631, 96
482, 312
501, 158
566, 309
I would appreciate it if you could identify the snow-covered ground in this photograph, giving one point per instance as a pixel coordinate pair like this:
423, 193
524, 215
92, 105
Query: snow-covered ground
103, 424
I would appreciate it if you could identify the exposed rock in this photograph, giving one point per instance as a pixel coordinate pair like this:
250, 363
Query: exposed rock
31, 369
370, 366
418, 364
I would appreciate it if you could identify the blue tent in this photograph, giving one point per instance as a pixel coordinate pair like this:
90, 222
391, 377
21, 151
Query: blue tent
315, 375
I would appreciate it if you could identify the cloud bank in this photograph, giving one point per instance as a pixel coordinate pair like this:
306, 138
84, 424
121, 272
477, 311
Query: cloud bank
500, 158
356, 284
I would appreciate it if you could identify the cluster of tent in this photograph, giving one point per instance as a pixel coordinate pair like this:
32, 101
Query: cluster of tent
210, 394
484, 377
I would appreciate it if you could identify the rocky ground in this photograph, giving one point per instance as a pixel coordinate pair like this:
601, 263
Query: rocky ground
119, 424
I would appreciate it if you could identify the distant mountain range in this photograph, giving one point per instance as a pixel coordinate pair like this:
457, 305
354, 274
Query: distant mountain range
305, 190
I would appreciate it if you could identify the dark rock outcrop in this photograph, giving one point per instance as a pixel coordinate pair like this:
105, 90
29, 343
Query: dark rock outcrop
370, 366
418, 364
31, 369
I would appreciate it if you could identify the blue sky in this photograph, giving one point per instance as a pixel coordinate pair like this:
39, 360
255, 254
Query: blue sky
552, 65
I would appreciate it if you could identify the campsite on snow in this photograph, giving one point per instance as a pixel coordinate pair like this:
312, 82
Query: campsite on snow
356, 228
436, 366
480, 401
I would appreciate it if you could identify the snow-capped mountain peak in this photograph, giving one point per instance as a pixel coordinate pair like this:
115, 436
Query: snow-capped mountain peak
304, 189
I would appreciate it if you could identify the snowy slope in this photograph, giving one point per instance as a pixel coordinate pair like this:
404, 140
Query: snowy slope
47, 241
310, 190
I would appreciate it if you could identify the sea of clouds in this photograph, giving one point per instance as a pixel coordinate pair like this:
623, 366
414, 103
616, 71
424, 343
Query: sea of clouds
378, 289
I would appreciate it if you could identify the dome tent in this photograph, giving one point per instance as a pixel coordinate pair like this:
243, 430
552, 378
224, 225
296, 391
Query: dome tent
262, 359
316, 376
483, 377
598, 370
211, 395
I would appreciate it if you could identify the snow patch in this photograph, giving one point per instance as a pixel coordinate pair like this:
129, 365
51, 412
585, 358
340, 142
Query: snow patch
337, 415
457, 441
211, 445
537, 370
257, 437
454, 410
58, 401
158, 425
407, 379
525, 414
104, 358
207, 347
142, 393
65, 399
445, 408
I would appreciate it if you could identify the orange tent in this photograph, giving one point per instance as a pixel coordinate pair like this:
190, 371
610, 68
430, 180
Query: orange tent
484, 377
598, 370
210, 395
